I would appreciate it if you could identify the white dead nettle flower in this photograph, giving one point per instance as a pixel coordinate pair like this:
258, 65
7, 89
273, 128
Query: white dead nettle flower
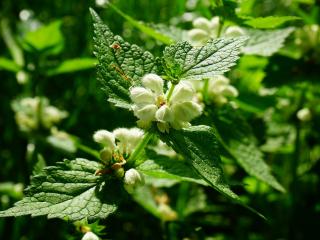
151, 104
90, 236
304, 114
31, 113
219, 89
205, 29
121, 140
133, 178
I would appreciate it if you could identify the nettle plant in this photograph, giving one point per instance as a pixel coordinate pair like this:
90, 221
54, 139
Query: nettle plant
169, 95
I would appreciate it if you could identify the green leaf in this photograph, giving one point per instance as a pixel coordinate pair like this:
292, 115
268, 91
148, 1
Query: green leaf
73, 65
48, 39
144, 27
121, 64
182, 61
69, 190
238, 139
199, 146
270, 21
9, 65
164, 167
265, 42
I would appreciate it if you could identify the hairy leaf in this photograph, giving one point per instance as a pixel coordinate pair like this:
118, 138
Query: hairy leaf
265, 42
182, 61
163, 167
270, 21
69, 190
121, 64
199, 146
238, 139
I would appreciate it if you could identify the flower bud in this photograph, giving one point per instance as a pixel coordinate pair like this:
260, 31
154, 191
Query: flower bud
106, 155
104, 137
119, 173
133, 178
90, 236
141, 95
214, 22
153, 82
304, 114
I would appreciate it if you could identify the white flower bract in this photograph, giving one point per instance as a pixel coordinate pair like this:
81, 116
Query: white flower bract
152, 105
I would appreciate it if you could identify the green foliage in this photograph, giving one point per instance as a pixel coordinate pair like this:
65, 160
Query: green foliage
193, 144
121, 64
72, 65
70, 190
9, 65
270, 21
265, 42
182, 61
47, 39
239, 141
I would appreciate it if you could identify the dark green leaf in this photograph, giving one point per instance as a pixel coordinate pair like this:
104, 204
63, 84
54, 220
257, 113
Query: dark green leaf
73, 65
69, 190
182, 61
121, 64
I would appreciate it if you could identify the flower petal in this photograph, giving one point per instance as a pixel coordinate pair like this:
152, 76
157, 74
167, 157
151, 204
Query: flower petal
153, 82
141, 95
145, 112
185, 111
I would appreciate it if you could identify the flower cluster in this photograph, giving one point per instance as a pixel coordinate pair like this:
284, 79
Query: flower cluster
117, 147
33, 113
205, 29
219, 89
175, 108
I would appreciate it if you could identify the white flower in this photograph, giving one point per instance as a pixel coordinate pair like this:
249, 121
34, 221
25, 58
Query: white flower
234, 31
31, 113
219, 89
205, 29
133, 178
152, 105
121, 140
104, 137
90, 236
304, 114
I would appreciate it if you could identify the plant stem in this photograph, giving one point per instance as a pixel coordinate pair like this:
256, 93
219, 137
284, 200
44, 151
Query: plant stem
205, 90
88, 150
142, 144
170, 91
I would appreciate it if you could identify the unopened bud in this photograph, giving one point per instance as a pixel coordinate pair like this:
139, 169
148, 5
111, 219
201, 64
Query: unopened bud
106, 155
133, 178
304, 114
119, 173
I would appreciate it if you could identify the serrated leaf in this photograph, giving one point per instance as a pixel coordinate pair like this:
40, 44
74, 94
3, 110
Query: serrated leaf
69, 190
72, 65
182, 61
162, 167
199, 146
270, 21
175, 33
238, 139
265, 42
121, 64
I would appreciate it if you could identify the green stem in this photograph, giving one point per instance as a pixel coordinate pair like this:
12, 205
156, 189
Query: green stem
205, 90
142, 144
88, 150
170, 91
